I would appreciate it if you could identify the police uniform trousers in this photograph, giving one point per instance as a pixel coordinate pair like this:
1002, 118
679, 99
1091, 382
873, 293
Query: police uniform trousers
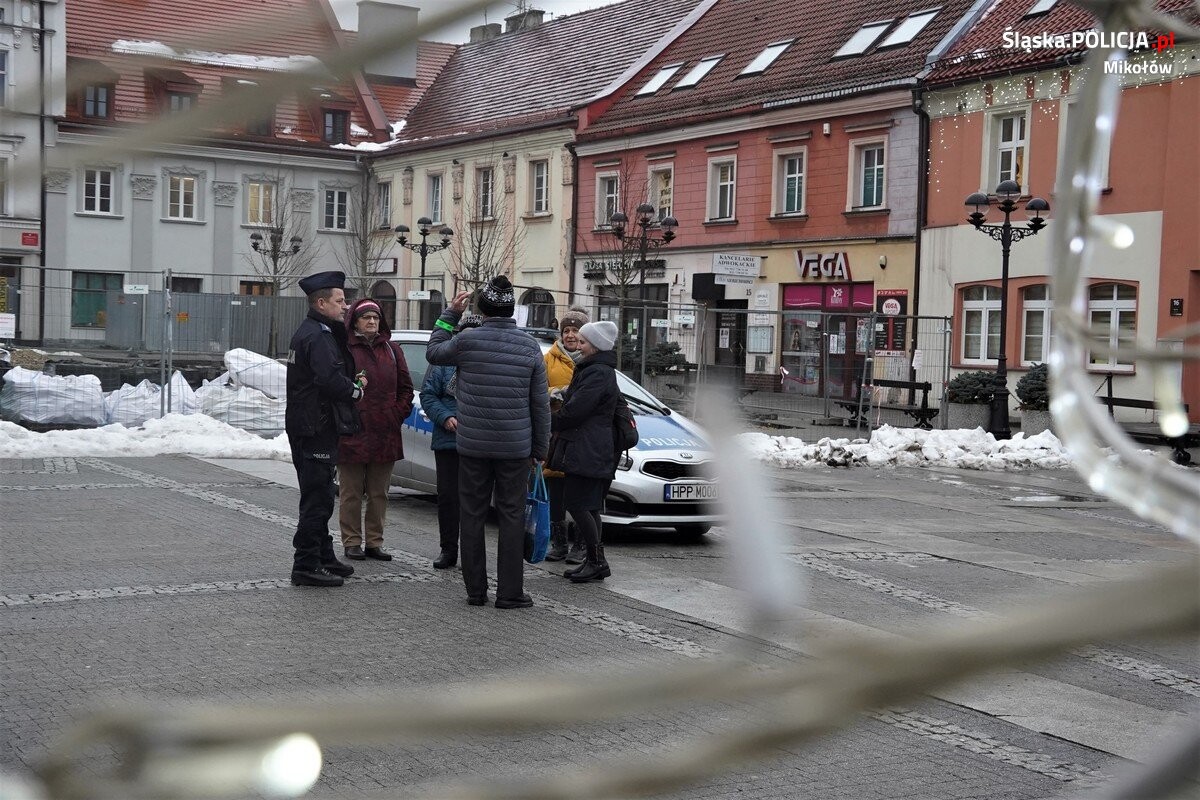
314, 458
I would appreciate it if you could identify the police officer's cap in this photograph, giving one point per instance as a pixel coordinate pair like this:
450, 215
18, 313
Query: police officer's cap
323, 280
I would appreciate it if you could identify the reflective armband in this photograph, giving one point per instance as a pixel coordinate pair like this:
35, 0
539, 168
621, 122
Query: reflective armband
446, 326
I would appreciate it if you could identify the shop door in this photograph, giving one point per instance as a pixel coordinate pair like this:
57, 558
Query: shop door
729, 345
803, 352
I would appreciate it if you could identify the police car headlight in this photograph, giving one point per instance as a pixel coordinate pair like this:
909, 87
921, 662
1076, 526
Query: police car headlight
625, 463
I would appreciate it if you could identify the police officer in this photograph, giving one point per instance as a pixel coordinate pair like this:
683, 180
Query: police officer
321, 392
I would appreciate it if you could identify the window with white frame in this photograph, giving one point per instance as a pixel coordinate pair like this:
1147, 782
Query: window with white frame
1112, 320
98, 191
907, 30
385, 205
722, 189
660, 78
434, 195
1007, 150
981, 323
863, 38
97, 100
869, 178
766, 58
1038, 331
662, 197
789, 181
182, 191
697, 73
485, 193
260, 203
1041, 7
3, 75
335, 215
539, 186
608, 198
3, 187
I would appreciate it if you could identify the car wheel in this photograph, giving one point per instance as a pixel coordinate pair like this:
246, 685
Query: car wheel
692, 531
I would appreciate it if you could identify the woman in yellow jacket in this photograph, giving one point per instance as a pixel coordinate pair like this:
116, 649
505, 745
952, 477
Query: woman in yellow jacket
560, 367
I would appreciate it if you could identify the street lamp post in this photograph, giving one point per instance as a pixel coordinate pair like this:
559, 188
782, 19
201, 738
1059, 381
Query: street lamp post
1007, 234
645, 241
274, 250
423, 248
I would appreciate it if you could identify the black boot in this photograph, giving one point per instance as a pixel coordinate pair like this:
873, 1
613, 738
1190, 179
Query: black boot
446, 560
603, 562
558, 541
592, 570
577, 553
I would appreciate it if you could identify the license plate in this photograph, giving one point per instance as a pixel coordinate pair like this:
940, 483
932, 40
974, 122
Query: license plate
675, 492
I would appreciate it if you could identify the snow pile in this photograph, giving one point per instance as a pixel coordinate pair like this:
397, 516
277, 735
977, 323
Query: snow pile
910, 447
207, 58
174, 434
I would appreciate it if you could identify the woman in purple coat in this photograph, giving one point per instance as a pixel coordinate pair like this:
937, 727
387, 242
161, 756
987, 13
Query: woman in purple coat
365, 459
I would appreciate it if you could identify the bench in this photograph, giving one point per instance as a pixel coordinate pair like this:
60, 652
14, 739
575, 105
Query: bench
921, 412
1150, 432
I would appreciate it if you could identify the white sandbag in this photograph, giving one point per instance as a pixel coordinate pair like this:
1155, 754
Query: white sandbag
242, 407
43, 399
183, 396
248, 368
133, 405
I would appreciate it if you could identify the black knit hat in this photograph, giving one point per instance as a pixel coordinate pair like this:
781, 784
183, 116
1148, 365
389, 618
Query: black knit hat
576, 317
496, 298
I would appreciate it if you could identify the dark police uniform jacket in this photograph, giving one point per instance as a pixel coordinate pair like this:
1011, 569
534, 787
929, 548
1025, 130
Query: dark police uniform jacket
320, 387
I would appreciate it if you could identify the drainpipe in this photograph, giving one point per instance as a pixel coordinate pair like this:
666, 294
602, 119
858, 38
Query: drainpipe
574, 220
922, 199
42, 174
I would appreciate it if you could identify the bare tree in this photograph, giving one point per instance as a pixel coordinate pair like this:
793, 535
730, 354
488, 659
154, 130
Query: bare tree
285, 251
487, 239
368, 236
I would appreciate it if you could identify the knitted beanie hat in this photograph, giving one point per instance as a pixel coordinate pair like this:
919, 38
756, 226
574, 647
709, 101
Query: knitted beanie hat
576, 317
364, 307
601, 335
496, 298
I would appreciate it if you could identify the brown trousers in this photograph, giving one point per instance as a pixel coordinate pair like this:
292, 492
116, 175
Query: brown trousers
357, 481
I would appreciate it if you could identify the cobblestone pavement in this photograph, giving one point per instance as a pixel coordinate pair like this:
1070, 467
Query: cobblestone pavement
164, 580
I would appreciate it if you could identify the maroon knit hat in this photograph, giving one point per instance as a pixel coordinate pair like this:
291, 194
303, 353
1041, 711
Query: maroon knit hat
363, 308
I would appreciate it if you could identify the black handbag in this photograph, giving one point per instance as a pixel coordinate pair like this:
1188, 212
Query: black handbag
556, 457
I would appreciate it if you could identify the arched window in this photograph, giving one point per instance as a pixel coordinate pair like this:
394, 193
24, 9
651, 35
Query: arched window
385, 294
541, 312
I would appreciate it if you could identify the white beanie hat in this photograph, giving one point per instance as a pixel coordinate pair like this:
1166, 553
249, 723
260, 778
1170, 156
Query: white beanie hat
601, 335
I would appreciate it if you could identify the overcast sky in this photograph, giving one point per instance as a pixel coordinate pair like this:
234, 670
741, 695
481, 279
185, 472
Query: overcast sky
347, 11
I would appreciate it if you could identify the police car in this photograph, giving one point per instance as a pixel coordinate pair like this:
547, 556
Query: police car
667, 481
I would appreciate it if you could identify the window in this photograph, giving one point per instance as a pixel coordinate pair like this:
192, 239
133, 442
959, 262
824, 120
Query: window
97, 101
260, 203
1112, 319
335, 126
870, 175
722, 189
1038, 334
3, 75
766, 58
608, 198
255, 288
697, 73
539, 187
435, 198
3, 187
336, 201
907, 30
181, 197
178, 102
1041, 7
89, 303
863, 38
186, 285
485, 189
261, 126
98, 191
385, 206
1008, 159
660, 78
981, 323
789, 182
661, 194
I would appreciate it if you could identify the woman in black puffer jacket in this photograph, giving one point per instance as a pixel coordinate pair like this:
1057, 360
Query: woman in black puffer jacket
584, 431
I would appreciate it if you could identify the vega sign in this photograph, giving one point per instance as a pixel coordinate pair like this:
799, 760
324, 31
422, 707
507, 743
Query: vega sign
823, 266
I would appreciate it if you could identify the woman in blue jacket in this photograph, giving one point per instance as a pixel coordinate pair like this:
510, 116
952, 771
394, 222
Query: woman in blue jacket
441, 406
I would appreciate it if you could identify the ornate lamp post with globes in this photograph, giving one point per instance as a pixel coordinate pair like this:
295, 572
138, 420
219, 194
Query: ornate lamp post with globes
646, 241
423, 249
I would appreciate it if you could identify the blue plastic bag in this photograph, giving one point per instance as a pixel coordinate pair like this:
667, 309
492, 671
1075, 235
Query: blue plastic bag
537, 518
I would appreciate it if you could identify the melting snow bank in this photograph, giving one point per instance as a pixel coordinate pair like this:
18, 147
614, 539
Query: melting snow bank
174, 434
909, 447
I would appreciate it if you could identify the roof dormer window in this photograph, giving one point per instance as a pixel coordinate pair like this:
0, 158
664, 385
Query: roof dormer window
766, 58
659, 79
1041, 7
907, 30
863, 38
335, 127
175, 91
697, 73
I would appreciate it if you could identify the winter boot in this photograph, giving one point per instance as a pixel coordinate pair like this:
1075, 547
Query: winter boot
592, 569
603, 562
558, 541
577, 553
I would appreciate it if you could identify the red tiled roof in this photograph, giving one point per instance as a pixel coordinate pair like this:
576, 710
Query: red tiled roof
982, 51
741, 30
542, 73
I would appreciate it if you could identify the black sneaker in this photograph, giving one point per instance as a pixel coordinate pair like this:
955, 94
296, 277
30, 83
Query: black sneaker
524, 601
316, 577
338, 568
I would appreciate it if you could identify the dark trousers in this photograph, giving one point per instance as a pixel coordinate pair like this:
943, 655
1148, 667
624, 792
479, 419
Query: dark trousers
555, 488
477, 478
312, 541
447, 499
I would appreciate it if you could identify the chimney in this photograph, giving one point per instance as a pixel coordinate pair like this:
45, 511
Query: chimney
523, 20
385, 19
482, 33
